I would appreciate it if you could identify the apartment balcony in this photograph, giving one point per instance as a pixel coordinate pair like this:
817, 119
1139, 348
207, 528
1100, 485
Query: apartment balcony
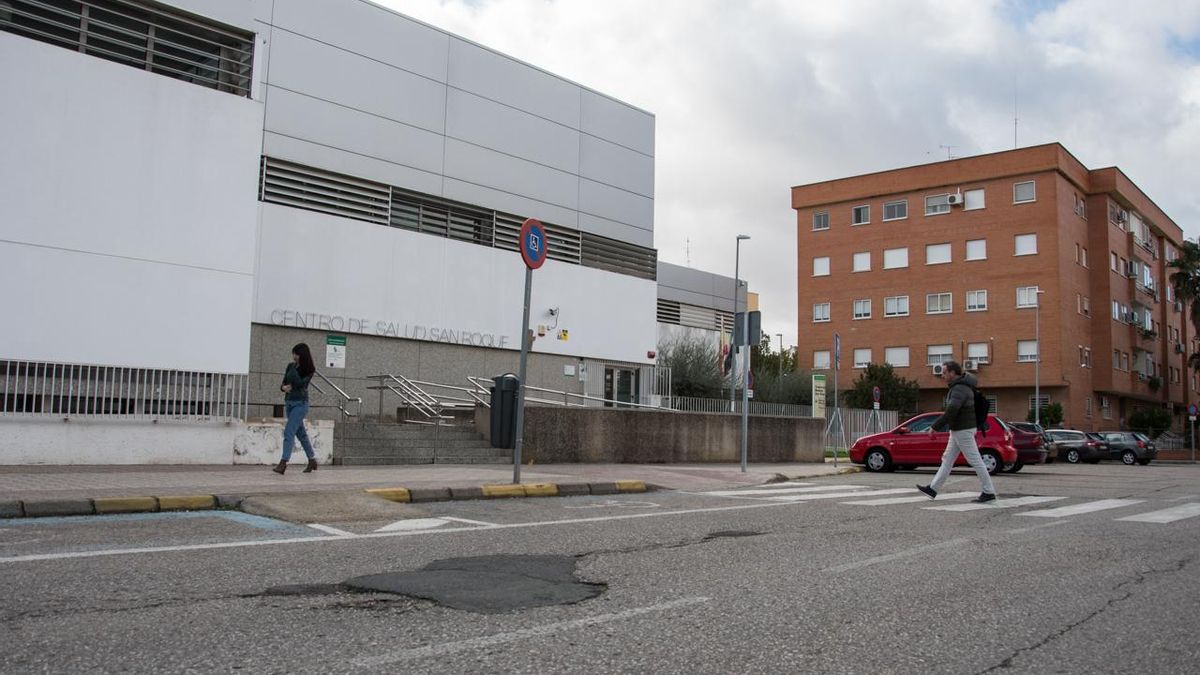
1147, 247
1151, 291
1146, 336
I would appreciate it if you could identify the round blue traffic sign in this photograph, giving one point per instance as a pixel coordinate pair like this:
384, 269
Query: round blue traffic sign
1192, 409
875, 394
533, 243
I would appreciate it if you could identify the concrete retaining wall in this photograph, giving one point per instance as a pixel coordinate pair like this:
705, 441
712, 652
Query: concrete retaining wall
644, 436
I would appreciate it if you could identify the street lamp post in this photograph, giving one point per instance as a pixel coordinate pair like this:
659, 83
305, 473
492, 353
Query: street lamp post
780, 336
1037, 364
746, 339
737, 284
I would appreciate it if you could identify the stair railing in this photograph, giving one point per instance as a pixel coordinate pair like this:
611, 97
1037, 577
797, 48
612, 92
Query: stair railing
412, 395
345, 399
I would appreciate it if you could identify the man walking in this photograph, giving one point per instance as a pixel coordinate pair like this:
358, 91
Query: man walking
959, 415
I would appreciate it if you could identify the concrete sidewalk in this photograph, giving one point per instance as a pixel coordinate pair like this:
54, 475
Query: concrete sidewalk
92, 482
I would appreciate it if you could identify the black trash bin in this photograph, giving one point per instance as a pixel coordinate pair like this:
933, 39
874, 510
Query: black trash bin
504, 410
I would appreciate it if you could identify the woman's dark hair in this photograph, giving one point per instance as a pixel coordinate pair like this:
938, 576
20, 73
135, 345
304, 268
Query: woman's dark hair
305, 366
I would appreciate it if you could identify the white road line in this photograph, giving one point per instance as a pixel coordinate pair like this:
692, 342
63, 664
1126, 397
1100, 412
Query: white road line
888, 501
1000, 503
414, 524
375, 535
1038, 527
1086, 507
502, 638
464, 520
895, 556
838, 495
1166, 515
331, 530
760, 491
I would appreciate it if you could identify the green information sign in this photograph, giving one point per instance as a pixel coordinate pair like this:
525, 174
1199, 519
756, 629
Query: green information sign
335, 351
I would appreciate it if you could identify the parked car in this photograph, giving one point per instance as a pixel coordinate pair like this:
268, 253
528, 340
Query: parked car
1073, 446
1129, 447
1030, 441
910, 445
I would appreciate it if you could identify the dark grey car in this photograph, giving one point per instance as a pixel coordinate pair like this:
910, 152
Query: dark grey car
1073, 447
1129, 447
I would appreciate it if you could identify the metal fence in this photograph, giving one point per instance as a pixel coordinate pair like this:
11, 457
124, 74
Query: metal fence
40, 389
857, 422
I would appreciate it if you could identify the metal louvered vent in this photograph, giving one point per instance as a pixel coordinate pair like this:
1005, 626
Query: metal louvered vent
444, 218
143, 35
316, 190
699, 317
668, 311
618, 256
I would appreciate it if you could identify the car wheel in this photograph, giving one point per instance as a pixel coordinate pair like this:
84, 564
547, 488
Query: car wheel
1017, 466
1128, 458
1143, 462
878, 460
1072, 456
991, 462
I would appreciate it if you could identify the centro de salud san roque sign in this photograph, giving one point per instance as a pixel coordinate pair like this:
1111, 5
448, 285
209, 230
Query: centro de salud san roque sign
396, 329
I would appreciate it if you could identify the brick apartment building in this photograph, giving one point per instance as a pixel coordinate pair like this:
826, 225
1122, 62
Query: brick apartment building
919, 265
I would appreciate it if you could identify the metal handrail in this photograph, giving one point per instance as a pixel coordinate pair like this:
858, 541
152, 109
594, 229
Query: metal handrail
346, 398
411, 394
565, 402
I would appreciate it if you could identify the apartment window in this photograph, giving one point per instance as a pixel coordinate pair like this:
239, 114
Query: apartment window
978, 351
938, 303
821, 360
1085, 306
897, 357
936, 355
1027, 350
820, 312
1171, 294
1077, 254
976, 301
1085, 357
1024, 192
977, 249
1087, 407
973, 199
1040, 402
895, 210
1025, 244
1105, 408
1080, 206
1083, 259
1116, 359
821, 267
896, 305
992, 403
821, 220
1116, 310
1125, 361
895, 258
937, 254
862, 309
1113, 262
862, 358
1027, 296
861, 215
937, 204
862, 261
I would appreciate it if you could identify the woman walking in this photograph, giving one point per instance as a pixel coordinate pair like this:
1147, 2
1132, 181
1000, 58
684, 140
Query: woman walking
295, 389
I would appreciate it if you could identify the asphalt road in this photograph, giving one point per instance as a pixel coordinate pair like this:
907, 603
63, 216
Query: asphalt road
852, 574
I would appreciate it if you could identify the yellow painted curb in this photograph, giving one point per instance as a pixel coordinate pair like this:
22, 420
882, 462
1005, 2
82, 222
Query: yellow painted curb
186, 502
392, 494
631, 485
503, 490
540, 490
125, 504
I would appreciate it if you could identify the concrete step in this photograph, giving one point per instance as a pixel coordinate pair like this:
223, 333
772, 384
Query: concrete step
345, 431
413, 443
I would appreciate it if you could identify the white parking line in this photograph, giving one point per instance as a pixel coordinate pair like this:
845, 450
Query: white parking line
888, 501
1166, 515
908, 553
331, 530
998, 504
1086, 507
838, 495
464, 520
414, 524
781, 491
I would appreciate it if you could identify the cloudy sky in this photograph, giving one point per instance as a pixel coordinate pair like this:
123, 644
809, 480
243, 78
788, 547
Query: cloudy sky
756, 96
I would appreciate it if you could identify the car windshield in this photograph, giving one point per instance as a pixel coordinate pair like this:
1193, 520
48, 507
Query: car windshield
1141, 437
921, 423
1095, 436
1066, 435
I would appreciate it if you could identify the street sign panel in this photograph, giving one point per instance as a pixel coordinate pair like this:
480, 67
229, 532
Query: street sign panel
533, 243
837, 351
1192, 410
875, 396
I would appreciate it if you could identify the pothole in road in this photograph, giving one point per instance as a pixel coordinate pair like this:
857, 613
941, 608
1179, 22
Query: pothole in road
731, 534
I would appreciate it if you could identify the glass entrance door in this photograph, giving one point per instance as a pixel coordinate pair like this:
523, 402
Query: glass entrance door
620, 385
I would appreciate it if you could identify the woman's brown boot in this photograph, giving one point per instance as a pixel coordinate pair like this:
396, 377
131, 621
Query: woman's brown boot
312, 466
280, 468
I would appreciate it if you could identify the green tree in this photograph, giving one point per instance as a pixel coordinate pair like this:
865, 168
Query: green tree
776, 379
1150, 421
896, 393
1185, 281
1050, 415
695, 370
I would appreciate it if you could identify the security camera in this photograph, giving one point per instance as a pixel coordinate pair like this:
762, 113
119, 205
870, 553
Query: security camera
553, 311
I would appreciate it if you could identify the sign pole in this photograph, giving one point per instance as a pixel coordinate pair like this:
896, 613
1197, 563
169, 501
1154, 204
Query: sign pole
521, 379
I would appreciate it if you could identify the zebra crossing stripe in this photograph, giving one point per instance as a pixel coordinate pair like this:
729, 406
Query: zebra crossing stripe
786, 490
998, 504
1086, 507
888, 501
1166, 515
838, 495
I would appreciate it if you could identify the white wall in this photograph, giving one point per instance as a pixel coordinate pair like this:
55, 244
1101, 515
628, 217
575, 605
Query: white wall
365, 274
127, 214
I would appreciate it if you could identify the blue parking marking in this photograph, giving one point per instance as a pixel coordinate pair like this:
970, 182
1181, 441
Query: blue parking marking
257, 522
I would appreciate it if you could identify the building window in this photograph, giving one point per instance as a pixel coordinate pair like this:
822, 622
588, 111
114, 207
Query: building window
1085, 357
862, 261
1027, 296
1113, 263
977, 249
1083, 259
1080, 206
897, 210
862, 358
1025, 244
1085, 306
1116, 310
976, 301
861, 215
973, 200
1125, 361
820, 312
992, 403
895, 258
1040, 402
1116, 359
937, 254
821, 360
821, 220
1087, 407
896, 305
896, 357
937, 204
938, 303
1105, 408
821, 267
1024, 192
1027, 350
978, 352
936, 355
862, 309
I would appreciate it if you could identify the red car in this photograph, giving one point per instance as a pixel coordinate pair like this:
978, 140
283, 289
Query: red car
910, 445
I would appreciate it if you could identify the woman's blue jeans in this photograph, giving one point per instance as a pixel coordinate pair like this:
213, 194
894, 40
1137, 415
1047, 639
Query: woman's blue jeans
296, 412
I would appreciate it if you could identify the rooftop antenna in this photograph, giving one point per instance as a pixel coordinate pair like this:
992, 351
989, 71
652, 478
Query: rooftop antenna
1014, 112
688, 250
948, 148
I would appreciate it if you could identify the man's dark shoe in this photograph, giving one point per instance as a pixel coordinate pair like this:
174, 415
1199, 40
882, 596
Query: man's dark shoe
985, 497
928, 490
